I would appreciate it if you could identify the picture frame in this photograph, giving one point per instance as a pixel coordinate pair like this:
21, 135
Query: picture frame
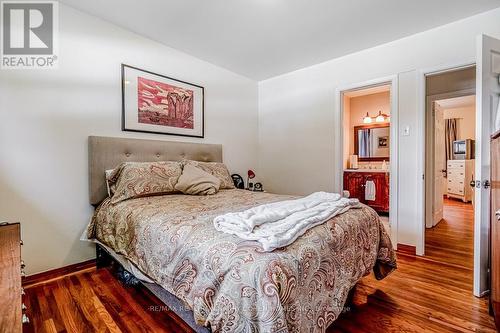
383, 141
155, 103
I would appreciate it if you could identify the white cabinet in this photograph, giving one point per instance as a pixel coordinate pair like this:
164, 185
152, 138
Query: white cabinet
460, 174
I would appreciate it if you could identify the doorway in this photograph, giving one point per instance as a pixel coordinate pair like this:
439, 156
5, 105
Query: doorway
367, 147
449, 235
449, 199
487, 90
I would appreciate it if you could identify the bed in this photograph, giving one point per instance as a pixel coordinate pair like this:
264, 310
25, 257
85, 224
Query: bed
229, 284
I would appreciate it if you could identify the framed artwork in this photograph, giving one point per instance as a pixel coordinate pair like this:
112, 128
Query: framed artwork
155, 103
383, 141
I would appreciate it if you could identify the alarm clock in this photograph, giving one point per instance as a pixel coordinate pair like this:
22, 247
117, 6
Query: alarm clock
257, 187
238, 181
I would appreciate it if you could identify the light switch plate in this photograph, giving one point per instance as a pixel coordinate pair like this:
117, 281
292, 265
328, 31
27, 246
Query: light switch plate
406, 131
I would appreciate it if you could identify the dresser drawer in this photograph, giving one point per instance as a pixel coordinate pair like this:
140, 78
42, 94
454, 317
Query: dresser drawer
456, 179
456, 165
456, 191
455, 188
456, 173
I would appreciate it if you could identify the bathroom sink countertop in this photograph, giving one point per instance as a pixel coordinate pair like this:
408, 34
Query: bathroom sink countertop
366, 170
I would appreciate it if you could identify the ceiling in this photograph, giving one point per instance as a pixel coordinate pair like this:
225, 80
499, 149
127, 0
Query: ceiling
264, 38
457, 102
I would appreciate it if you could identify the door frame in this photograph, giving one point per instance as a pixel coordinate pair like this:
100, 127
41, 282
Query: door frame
392, 81
428, 165
421, 166
421, 128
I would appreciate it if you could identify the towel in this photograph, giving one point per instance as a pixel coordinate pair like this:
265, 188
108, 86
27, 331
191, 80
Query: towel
369, 190
279, 224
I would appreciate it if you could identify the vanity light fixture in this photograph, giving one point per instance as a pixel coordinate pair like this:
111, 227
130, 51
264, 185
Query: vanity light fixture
367, 119
380, 118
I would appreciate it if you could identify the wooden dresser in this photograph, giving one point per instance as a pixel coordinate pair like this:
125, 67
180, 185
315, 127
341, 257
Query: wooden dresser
11, 271
459, 175
354, 182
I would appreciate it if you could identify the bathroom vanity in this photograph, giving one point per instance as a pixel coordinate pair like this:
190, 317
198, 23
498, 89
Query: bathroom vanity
355, 183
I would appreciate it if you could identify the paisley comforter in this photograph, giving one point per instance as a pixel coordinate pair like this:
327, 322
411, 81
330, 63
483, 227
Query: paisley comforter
231, 284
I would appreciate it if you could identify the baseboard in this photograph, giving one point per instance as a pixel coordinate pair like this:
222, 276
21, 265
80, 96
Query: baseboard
408, 249
57, 273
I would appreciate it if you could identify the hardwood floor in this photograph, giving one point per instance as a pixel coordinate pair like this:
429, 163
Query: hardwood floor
452, 239
93, 300
421, 296
425, 294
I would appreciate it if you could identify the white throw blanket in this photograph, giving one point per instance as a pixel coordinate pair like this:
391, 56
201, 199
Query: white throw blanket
280, 223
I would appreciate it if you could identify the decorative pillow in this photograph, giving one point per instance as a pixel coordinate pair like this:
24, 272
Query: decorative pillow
196, 181
135, 179
216, 169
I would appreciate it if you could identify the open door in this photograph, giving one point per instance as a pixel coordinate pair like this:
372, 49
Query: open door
488, 90
439, 164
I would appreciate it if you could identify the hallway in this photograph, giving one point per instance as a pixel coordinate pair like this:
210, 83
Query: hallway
452, 240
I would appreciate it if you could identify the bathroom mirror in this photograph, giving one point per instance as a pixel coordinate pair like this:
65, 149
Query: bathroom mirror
372, 142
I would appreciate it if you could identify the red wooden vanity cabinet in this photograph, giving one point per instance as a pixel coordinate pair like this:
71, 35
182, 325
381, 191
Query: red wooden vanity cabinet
354, 182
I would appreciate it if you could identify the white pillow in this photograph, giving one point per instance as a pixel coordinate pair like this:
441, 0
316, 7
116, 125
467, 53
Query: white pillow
107, 175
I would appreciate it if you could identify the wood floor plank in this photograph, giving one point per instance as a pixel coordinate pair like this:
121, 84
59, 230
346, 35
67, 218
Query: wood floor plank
49, 326
50, 307
96, 315
452, 239
425, 294
104, 316
69, 308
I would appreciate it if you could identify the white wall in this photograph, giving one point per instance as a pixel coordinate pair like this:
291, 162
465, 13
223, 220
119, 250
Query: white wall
466, 121
355, 109
372, 104
359, 106
296, 111
46, 117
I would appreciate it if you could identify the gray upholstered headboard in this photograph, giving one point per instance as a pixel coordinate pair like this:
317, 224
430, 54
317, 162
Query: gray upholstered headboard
106, 153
